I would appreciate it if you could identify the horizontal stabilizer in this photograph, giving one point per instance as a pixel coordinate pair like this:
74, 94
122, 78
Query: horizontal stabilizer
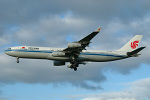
134, 52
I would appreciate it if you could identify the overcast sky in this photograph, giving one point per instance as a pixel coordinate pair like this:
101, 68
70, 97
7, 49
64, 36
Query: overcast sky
54, 23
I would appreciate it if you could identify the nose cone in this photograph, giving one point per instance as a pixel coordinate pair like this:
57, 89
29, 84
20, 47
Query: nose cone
8, 52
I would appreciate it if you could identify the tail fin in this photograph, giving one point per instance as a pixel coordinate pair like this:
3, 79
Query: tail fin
132, 44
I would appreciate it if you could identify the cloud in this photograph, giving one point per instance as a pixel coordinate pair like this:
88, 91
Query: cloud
43, 71
1, 98
138, 90
48, 23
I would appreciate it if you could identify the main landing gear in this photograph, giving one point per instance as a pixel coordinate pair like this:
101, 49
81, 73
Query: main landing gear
75, 68
74, 65
17, 59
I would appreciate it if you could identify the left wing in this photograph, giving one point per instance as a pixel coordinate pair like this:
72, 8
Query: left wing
73, 50
77, 47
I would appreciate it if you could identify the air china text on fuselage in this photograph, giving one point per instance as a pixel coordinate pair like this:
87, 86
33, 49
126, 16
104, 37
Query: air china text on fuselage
76, 52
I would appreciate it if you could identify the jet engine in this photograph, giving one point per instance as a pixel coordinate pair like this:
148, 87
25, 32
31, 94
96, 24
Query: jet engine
58, 54
74, 45
69, 65
59, 63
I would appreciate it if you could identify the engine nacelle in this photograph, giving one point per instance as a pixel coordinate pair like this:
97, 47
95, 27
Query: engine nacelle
74, 45
69, 65
59, 63
58, 54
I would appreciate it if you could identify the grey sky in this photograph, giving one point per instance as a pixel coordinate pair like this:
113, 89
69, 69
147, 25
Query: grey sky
50, 22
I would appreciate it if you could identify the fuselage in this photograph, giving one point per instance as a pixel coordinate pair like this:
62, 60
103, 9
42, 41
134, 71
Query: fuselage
46, 53
76, 52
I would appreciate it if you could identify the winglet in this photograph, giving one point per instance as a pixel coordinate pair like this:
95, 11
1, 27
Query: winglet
98, 30
90, 36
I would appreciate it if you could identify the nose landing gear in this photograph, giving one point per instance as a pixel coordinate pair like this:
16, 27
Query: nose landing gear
17, 59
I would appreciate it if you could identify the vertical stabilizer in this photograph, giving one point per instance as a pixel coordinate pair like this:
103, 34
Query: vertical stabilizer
132, 44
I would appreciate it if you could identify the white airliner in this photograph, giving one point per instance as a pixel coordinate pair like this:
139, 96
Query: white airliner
76, 53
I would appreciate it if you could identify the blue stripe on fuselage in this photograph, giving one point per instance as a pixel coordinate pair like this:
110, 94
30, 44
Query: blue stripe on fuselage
25, 50
83, 53
102, 54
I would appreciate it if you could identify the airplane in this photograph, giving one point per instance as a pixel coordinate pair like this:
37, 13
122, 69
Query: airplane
76, 52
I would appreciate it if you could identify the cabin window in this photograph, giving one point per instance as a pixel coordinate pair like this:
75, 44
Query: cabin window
33, 48
36, 48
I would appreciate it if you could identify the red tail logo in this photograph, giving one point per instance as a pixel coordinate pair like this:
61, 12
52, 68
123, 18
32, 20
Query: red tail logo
134, 44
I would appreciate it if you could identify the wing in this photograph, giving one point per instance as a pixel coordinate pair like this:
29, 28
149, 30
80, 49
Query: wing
73, 50
77, 47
